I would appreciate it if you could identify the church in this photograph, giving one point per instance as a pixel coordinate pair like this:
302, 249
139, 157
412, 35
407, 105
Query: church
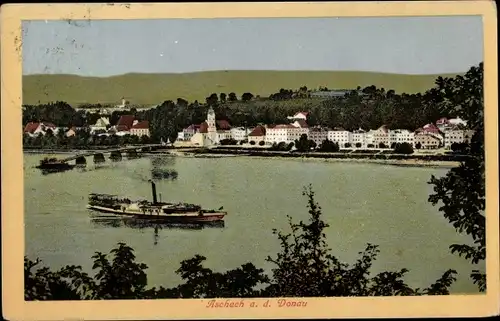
211, 131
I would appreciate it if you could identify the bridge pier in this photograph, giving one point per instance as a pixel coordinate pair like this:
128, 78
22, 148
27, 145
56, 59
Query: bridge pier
81, 161
116, 156
132, 154
99, 158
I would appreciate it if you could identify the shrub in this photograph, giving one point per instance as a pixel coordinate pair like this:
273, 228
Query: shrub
228, 141
403, 148
329, 146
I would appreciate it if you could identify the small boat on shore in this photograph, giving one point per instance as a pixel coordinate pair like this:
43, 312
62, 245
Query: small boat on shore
154, 211
54, 164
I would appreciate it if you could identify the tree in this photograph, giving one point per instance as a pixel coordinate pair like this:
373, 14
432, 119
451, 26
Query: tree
461, 193
305, 267
303, 144
382, 145
403, 148
358, 145
347, 145
252, 142
261, 143
328, 146
212, 100
247, 96
418, 145
223, 97
232, 97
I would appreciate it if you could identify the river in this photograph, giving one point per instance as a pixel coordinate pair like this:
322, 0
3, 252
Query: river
362, 203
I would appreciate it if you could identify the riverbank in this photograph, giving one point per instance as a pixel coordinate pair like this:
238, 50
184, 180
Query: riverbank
412, 160
401, 162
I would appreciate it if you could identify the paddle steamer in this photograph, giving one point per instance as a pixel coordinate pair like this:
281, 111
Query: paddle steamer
155, 210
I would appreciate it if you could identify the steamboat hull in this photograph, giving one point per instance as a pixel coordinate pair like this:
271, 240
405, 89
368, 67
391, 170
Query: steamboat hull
190, 217
55, 166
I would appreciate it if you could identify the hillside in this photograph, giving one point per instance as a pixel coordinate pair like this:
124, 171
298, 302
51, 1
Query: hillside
150, 89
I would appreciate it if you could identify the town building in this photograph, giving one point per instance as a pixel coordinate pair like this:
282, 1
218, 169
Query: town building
444, 124
257, 135
457, 135
399, 136
457, 122
380, 136
432, 129
34, 129
302, 115
124, 125
370, 139
71, 132
339, 136
211, 131
287, 133
187, 133
318, 134
333, 93
277, 133
426, 140
140, 128
102, 124
240, 133
358, 137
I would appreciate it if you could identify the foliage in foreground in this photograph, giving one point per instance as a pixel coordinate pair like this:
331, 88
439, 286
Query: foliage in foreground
461, 192
304, 267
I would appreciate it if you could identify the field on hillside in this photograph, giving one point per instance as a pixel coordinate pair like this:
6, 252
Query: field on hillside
151, 89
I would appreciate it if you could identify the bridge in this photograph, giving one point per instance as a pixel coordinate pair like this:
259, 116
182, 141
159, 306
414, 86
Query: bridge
115, 153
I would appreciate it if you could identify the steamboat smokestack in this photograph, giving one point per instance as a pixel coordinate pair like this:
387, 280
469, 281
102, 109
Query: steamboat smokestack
153, 187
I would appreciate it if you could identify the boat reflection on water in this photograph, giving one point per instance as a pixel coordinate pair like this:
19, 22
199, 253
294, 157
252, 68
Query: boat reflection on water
118, 222
161, 161
53, 171
160, 168
112, 221
160, 174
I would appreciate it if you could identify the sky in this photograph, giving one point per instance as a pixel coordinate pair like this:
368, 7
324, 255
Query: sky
407, 45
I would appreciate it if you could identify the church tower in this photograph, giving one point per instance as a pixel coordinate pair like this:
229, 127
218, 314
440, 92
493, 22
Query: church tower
212, 129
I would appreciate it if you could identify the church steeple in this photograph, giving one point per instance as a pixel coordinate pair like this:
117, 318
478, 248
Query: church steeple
212, 127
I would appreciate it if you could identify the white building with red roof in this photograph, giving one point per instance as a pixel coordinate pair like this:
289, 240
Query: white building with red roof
34, 129
287, 133
141, 128
301, 115
210, 132
257, 135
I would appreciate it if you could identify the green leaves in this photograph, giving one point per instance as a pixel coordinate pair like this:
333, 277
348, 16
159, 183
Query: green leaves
461, 193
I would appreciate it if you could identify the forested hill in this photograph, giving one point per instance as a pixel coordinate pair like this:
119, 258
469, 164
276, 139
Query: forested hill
151, 89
